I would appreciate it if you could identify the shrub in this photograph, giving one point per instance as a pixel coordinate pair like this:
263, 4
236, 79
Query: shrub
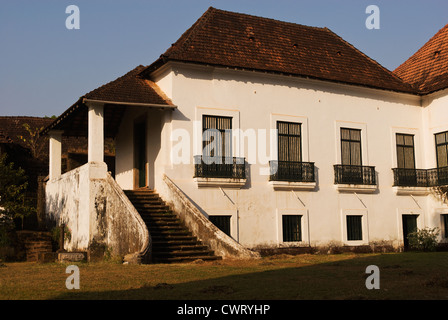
424, 239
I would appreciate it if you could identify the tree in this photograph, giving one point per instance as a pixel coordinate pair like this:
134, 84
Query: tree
13, 185
34, 141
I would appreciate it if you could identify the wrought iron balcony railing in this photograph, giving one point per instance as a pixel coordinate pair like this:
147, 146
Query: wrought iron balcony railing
347, 174
420, 177
219, 167
292, 171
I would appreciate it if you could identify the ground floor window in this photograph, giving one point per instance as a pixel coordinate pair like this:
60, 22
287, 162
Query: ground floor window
222, 222
445, 225
354, 227
292, 228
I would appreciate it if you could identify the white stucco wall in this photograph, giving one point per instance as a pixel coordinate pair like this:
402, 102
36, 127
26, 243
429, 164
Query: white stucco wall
255, 101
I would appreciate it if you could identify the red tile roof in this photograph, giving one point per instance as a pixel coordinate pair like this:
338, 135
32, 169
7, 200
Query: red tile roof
235, 40
427, 69
129, 88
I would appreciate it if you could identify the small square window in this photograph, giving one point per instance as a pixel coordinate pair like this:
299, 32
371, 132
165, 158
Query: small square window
222, 222
292, 228
445, 225
354, 228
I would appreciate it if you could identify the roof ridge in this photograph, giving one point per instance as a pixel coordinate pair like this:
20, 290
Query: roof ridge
426, 44
370, 59
420, 70
267, 18
186, 37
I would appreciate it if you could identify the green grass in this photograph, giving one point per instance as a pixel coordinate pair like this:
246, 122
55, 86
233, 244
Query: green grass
403, 276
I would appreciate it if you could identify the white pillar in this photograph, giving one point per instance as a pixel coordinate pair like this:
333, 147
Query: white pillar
96, 133
55, 154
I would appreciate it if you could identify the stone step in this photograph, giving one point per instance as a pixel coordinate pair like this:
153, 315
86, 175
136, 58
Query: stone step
171, 240
185, 259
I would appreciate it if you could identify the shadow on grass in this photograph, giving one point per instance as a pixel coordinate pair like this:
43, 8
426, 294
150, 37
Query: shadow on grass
403, 276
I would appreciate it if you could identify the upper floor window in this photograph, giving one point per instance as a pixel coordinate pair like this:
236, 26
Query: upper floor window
217, 136
351, 152
405, 151
289, 141
442, 149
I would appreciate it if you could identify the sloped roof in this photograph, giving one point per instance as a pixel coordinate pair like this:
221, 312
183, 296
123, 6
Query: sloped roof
427, 69
130, 88
236, 40
13, 127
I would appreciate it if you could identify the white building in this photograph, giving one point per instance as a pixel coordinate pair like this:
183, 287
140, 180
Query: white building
320, 145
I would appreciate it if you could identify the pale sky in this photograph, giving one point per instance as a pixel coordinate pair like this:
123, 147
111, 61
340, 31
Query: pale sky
45, 67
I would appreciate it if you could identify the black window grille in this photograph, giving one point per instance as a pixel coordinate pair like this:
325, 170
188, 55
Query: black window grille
363, 175
222, 222
289, 166
445, 225
411, 177
442, 157
292, 171
354, 227
223, 167
292, 228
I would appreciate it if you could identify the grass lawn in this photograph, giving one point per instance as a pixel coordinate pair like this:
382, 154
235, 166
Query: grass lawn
403, 276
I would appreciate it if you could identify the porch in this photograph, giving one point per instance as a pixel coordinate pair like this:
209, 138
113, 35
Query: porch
99, 216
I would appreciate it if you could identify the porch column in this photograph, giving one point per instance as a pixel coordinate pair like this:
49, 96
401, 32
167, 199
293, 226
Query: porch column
55, 154
96, 132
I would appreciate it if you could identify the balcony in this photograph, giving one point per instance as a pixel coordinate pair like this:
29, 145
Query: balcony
219, 171
417, 181
292, 175
355, 178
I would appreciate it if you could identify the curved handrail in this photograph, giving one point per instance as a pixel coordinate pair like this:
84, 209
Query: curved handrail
147, 243
221, 242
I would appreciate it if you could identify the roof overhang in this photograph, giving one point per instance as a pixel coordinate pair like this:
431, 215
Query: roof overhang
74, 121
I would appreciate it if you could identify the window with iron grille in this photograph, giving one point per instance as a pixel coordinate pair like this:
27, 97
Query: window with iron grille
217, 127
222, 222
351, 147
442, 149
292, 228
405, 151
445, 225
354, 227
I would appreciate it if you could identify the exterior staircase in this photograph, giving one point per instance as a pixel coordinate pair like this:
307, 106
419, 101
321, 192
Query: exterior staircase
172, 242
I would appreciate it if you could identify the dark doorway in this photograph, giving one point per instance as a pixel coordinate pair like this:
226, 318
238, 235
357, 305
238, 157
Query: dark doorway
409, 226
140, 154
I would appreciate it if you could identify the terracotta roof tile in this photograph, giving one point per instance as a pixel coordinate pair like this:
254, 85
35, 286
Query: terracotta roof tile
427, 69
235, 40
129, 88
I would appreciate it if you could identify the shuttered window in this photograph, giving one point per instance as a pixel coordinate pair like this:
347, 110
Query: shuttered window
292, 228
442, 149
222, 222
405, 151
216, 127
354, 228
289, 141
351, 147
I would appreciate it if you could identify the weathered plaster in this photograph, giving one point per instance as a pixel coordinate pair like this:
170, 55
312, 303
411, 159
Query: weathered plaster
97, 213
